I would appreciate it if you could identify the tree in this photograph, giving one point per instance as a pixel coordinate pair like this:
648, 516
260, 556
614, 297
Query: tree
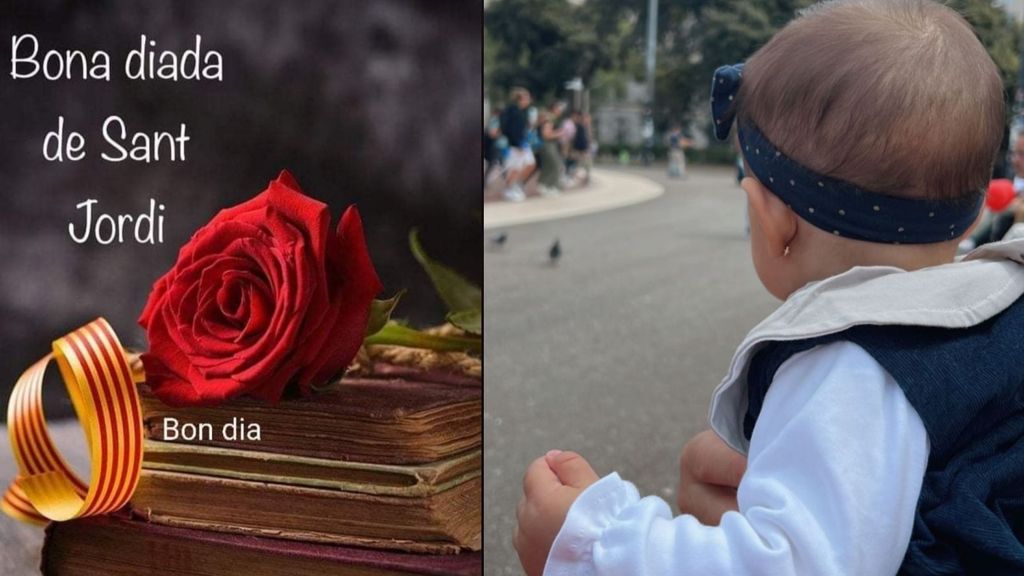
1000, 35
720, 32
541, 44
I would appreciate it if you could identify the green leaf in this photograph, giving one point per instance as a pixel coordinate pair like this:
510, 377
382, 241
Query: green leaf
457, 293
380, 312
397, 335
468, 320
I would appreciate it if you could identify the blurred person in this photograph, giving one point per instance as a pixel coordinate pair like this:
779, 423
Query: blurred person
536, 144
492, 148
514, 125
677, 144
880, 407
551, 160
566, 134
580, 148
647, 132
592, 152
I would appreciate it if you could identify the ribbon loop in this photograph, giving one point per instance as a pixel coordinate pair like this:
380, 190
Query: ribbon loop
724, 86
101, 384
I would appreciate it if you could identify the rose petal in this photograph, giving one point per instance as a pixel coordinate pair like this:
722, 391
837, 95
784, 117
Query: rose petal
333, 345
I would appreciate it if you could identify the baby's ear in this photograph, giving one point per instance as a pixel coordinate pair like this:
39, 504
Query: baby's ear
776, 221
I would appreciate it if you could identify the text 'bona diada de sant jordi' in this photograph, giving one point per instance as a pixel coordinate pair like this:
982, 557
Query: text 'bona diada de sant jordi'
121, 143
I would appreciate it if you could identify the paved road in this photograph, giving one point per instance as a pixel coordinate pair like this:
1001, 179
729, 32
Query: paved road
614, 352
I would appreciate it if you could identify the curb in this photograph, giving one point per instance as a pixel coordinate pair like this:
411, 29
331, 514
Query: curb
608, 190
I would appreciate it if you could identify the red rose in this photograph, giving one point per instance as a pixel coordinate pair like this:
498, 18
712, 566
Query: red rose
264, 296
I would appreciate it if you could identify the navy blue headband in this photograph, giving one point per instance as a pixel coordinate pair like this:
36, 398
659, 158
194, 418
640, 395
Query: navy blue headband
834, 205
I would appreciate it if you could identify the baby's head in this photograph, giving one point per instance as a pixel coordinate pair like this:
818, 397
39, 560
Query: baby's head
892, 97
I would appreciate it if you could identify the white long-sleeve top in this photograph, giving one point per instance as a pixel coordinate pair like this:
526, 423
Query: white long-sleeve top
833, 475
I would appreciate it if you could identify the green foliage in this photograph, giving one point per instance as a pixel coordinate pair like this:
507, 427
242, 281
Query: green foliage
457, 293
720, 32
463, 299
542, 43
998, 32
490, 59
471, 321
395, 334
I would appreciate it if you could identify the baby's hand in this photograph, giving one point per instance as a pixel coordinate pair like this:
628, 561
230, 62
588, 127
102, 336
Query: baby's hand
550, 486
709, 473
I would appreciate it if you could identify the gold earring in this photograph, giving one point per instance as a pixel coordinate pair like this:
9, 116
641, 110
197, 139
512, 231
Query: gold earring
786, 253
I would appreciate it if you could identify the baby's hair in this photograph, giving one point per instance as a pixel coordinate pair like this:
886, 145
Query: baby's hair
896, 96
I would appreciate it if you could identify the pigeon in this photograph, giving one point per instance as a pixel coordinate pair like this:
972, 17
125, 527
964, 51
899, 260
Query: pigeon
555, 252
498, 240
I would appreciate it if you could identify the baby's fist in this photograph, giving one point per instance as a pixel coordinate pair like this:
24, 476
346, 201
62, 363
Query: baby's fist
550, 486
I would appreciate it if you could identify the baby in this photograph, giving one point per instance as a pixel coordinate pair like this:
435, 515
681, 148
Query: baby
881, 407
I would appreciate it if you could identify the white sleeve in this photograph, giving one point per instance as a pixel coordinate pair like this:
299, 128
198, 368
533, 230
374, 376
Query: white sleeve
833, 475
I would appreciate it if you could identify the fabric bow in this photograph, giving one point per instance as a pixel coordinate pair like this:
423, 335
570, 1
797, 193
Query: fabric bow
724, 87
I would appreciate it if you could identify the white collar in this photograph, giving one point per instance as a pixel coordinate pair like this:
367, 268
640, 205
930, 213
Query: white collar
984, 283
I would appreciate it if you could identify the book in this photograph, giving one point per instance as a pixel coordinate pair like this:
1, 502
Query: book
388, 458
445, 522
412, 417
439, 518
413, 480
116, 544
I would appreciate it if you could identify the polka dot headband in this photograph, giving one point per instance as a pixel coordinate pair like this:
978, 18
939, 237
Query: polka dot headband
834, 205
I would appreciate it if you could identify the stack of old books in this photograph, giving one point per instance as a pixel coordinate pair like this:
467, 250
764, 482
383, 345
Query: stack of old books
380, 475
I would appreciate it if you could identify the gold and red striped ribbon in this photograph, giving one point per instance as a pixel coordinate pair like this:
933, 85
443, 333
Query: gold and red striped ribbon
101, 383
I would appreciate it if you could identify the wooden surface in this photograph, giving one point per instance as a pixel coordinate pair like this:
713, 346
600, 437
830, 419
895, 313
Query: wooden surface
21, 543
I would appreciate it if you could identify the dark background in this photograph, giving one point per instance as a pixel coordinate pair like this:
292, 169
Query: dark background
375, 103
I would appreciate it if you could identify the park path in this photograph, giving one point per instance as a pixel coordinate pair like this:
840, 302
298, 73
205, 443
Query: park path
608, 189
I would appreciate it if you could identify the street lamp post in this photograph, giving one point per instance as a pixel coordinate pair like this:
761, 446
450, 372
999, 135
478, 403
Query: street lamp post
648, 120
652, 35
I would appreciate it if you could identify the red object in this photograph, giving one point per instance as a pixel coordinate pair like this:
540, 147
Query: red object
1000, 194
263, 296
